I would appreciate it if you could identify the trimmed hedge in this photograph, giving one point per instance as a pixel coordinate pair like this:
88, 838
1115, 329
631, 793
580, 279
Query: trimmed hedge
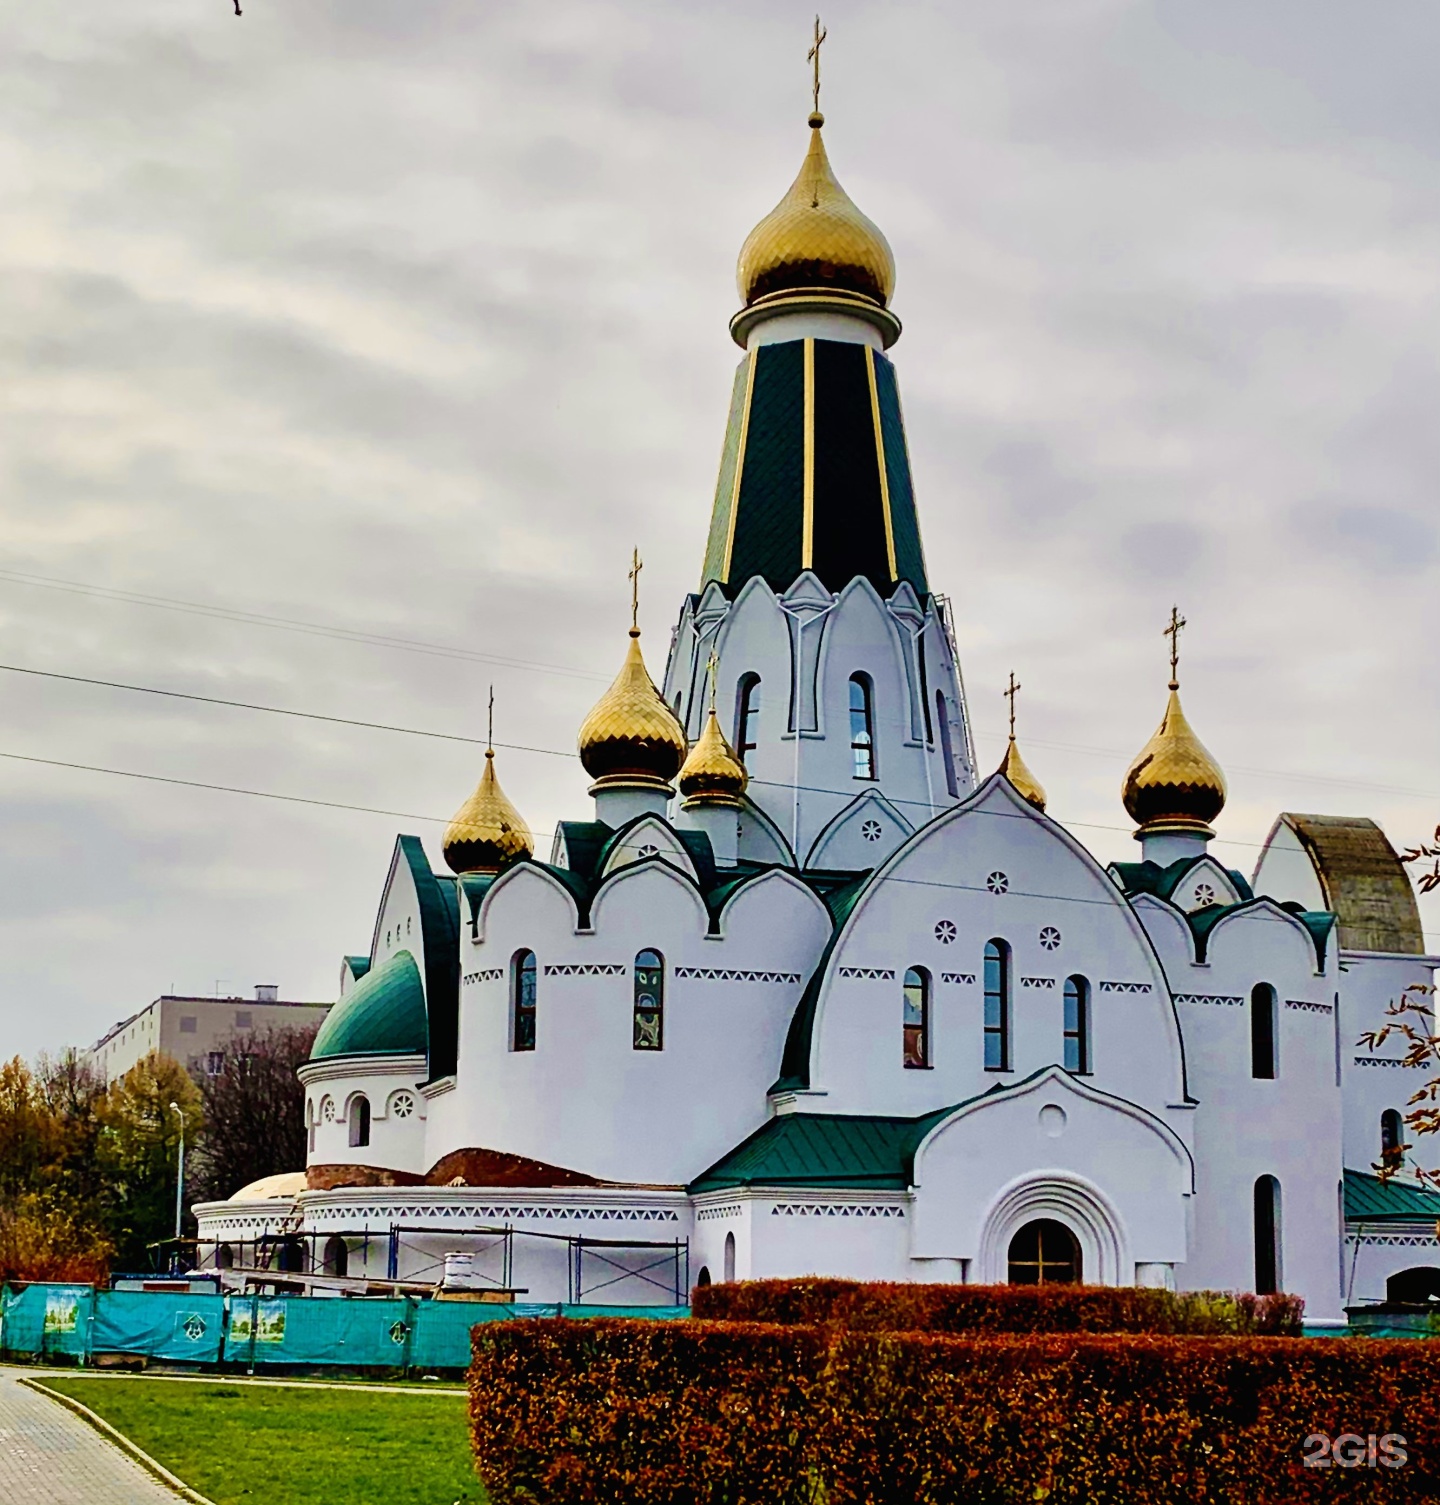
633, 1412
696, 1413
877, 1306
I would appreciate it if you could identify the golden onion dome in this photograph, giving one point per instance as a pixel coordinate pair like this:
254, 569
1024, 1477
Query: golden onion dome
1026, 785
815, 237
487, 831
631, 735
712, 774
1174, 782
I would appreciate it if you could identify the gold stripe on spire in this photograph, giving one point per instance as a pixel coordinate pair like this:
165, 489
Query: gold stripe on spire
880, 461
807, 533
739, 465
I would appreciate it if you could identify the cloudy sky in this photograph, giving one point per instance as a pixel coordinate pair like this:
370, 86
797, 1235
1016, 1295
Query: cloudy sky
406, 319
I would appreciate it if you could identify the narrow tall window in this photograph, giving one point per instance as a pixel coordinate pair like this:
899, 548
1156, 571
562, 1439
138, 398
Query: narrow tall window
947, 751
862, 726
997, 1006
1392, 1140
309, 1125
522, 1001
359, 1121
1267, 1236
649, 1001
1077, 1025
729, 1265
747, 714
1262, 1031
337, 1256
917, 1018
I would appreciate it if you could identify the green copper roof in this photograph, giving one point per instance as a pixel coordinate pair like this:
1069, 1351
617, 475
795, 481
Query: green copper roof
1150, 878
1368, 1199
836, 1150
815, 423
382, 1015
358, 965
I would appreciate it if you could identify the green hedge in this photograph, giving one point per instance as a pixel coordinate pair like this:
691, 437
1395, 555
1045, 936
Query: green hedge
700, 1413
876, 1306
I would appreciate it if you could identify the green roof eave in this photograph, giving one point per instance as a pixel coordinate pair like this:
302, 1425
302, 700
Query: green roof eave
1368, 1199
1150, 878
382, 1015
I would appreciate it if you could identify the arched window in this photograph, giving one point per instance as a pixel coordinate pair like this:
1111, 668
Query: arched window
1044, 1253
337, 1256
290, 1256
359, 1121
522, 1001
1263, 1062
747, 714
703, 1279
1077, 1025
997, 1006
729, 1256
862, 726
1267, 1236
917, 1018
1392, 1140
225, 1257
649, 1001
309, 1124
947, 751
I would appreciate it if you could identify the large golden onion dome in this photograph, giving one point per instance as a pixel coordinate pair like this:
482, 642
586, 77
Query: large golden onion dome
1026, 785
815, 238
712, 774
487, 831
1174, 784
631, 736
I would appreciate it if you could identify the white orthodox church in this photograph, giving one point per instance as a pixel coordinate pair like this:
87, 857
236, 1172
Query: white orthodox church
809, 992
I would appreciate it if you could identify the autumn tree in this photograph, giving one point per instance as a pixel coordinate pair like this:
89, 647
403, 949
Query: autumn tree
254, 1113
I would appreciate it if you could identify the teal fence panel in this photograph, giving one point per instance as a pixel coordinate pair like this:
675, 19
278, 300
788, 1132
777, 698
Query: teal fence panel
49, 1319
318, 1330
166, 1325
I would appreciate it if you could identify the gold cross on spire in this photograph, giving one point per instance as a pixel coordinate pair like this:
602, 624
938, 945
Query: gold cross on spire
813, 57
490, 727
1010, 692
1173, 633
711, 665
636, 565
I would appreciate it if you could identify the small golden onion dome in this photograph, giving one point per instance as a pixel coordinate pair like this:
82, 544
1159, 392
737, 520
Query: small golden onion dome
815, 237
1026, 785
487, 831
1174, 783
631, 736
712, 774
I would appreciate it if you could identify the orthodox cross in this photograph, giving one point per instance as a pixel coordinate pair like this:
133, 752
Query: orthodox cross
490, 726
1010, 692
813, 56
636, 565
1173, 633
711, 665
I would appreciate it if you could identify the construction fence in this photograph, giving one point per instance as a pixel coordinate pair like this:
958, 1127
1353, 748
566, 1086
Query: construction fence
76, 1323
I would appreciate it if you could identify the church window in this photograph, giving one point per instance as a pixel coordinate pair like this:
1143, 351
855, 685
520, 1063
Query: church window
747, 714
359, 1121
522, 1001
337, 1256
1077, 1025
862, 726
1267, 1236
997, 1006
649, 1000
917, 1018
1263, 1065
1392, 1140
703, 1279
1044, 1252
290, 1256
309, 1125
947, 752
225, 1257
729, 1256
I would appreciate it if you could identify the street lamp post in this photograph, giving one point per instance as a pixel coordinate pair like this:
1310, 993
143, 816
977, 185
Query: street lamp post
179, 1178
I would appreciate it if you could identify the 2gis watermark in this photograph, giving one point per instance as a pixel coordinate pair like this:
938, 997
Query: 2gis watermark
1350, 1450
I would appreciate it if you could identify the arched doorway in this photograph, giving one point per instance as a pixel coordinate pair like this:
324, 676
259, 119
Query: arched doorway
337, 1256
1044, 1252
1415, 1287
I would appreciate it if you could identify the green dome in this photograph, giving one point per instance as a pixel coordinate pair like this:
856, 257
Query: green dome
382, 1015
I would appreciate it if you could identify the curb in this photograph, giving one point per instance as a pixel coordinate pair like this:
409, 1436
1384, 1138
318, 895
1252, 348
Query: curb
121, 1441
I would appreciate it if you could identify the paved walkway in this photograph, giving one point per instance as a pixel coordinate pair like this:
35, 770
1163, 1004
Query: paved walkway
48, 1456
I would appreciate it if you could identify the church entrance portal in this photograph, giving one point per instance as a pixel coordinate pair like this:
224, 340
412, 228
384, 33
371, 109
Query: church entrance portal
1044, 1252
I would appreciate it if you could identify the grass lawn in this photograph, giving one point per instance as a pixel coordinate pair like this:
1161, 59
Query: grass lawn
303, 1447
